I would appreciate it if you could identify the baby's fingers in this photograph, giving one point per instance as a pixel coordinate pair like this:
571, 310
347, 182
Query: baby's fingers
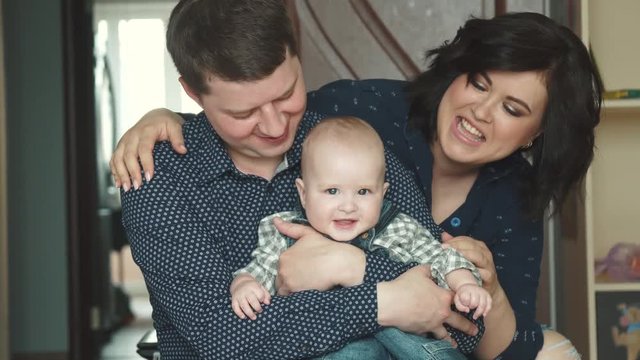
484, 305
266, 299
254, 302
247, 309
237, 309
460, 303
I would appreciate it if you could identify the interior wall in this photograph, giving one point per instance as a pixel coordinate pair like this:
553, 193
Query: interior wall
4, 277
37, 220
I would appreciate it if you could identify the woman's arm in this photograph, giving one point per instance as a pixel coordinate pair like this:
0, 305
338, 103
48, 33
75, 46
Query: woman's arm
511, 329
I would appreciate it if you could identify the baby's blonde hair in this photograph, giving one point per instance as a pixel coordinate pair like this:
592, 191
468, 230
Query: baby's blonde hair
352, 132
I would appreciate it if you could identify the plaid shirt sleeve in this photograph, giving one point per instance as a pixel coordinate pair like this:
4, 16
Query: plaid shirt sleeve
264, 264
406, 240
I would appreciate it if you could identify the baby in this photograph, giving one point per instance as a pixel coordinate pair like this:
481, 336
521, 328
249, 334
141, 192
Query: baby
342, 193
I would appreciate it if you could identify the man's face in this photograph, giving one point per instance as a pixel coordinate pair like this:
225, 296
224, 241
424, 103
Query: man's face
257, 120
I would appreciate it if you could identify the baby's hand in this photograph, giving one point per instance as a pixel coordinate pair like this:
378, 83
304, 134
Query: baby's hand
247, 296
472, 296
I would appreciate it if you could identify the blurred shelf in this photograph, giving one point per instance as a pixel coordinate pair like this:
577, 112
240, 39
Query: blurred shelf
622, 106
604, 283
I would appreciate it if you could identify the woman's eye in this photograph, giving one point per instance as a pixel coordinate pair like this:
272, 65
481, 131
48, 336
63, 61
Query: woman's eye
331, 191
477, 84
363, 191
512, 110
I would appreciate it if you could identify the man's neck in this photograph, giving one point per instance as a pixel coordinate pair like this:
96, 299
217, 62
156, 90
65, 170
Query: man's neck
262, 167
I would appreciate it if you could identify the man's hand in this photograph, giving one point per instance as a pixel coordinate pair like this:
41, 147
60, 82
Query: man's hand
137, 144
315, 262
247, 296
414, 303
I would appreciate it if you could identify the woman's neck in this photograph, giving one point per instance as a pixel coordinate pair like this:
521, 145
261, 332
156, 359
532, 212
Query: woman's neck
446, 168
451, 182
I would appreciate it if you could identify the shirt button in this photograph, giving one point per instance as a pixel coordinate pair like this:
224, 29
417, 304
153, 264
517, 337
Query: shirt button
455, 222
365, 235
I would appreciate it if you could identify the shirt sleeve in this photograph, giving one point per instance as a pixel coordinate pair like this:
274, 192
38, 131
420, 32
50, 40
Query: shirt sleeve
380, 102
188, 277
406, 240
264, 258
517, 255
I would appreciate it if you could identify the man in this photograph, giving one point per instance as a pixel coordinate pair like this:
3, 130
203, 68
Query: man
196, 222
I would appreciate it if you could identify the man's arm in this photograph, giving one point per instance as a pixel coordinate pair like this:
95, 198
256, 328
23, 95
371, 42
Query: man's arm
185, 267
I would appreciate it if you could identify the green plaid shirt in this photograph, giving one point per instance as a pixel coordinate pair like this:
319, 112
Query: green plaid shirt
404, 239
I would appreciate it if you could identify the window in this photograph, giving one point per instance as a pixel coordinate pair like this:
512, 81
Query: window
130, 47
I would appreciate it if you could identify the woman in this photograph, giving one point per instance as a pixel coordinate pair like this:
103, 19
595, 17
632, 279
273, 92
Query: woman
501, 124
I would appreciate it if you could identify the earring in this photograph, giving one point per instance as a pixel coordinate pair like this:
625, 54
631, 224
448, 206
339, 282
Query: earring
528, 145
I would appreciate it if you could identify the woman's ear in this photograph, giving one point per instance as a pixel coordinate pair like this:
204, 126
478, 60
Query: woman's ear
189, 90
385, 187
301, 193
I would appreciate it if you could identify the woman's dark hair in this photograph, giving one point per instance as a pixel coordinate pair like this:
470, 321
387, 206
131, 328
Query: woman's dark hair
561, 154
235, 40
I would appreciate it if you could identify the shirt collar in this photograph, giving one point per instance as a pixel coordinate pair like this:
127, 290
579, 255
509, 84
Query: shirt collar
207, 149
501, 168
211, 156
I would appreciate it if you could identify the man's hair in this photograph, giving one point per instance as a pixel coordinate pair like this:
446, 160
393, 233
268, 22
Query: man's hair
234, 40
561, 154
347, 131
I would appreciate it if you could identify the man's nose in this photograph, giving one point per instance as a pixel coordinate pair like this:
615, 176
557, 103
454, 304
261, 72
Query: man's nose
272, 122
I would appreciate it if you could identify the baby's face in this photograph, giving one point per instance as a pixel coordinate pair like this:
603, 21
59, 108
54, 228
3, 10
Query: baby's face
342, 192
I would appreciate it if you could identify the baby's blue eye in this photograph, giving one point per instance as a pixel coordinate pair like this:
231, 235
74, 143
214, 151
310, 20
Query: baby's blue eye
363, 191
331, 191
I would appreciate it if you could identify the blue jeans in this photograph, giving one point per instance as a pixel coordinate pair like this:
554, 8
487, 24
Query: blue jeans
393, 344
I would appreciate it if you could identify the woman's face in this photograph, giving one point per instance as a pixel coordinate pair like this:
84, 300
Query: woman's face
489, 116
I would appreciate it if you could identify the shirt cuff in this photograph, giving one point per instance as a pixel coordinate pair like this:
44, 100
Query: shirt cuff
380, 267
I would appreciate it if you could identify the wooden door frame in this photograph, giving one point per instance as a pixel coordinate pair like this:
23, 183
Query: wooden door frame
80, 170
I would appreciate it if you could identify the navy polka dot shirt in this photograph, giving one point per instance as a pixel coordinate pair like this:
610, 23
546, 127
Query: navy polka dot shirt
491, 212
196, 222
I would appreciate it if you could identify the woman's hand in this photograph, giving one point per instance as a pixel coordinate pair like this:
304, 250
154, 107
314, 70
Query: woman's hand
500, 323
315, 262
478, 253
137, 144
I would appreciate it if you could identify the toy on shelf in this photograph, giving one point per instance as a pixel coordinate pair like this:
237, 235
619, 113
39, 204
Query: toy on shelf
622, 263
622, 94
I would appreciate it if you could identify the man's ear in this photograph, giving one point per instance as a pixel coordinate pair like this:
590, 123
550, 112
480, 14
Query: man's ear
385, 187
189, 90
300, 187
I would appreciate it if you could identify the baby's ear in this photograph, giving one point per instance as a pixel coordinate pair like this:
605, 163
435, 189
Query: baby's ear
385, 187
300, 187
